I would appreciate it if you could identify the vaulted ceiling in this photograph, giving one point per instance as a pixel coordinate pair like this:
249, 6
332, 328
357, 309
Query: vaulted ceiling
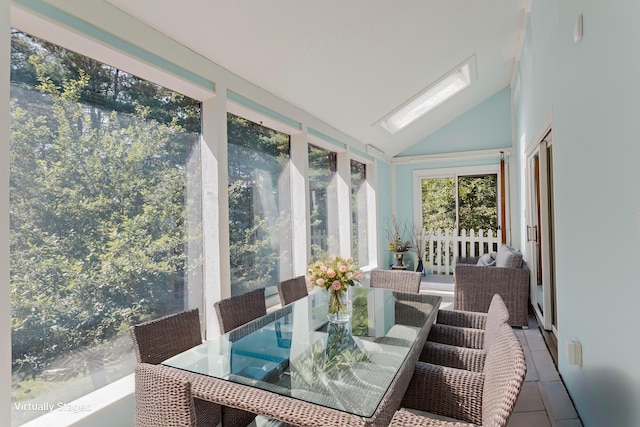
350, 62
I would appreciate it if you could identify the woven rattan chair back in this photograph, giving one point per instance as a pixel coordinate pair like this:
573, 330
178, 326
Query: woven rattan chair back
498, 314
292, 290
504, 371
160, 339
240, 309
161, 400
396, 280
157, 340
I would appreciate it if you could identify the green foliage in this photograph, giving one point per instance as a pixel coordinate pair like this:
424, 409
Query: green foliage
258, 158
438, 203
358, 179
108, 89
321, 173
477, 202
97, 210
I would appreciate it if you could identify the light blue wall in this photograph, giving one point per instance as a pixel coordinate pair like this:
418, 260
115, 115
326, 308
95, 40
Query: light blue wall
487, 125
593, 92
484, 127
384, 202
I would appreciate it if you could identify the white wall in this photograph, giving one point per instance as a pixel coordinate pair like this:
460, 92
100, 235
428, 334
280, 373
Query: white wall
593, 92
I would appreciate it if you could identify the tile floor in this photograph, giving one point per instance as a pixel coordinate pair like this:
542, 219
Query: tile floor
543, 401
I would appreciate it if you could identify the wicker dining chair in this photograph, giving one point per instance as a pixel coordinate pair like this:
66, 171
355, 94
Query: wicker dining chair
161, 400
291, 290
462, 347
396, 280
467, 329
234, 312
159, 339
240, 309
467, 398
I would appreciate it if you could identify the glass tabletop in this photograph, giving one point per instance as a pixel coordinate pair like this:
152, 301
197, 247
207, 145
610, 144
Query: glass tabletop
296, 352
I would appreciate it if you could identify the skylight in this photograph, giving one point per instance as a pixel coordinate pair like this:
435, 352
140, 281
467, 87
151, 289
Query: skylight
430, 98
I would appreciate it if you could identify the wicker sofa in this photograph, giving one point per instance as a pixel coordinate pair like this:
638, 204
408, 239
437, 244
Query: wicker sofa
476, 284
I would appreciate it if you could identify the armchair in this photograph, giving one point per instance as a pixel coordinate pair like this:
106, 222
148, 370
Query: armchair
475, 285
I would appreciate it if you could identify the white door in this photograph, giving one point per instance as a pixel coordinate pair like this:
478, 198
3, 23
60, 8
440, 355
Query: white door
540, 231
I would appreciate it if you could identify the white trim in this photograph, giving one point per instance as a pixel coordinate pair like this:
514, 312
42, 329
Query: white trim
324, 144
300, 215
374, 151
5, 284
519, 44
359, 158
343, 188
215, 209
91, 405
372, 214
262, 119
544, 129
463, 155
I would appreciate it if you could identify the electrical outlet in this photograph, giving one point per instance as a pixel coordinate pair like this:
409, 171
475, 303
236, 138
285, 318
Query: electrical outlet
574, 352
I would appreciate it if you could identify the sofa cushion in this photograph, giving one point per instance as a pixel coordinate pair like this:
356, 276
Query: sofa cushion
508, 257
487, 260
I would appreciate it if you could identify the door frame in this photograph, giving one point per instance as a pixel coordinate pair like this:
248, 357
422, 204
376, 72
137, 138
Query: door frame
547, 317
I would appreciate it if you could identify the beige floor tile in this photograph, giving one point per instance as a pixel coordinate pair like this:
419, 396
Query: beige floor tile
557, 401
521, 337
529, 419
544, 366
567, 423
529, 399
532, 373
535, 340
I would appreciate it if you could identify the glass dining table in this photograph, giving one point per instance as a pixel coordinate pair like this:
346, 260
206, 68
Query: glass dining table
295, 366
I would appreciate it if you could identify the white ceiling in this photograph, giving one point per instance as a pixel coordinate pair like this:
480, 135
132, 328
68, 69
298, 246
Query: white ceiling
350, 62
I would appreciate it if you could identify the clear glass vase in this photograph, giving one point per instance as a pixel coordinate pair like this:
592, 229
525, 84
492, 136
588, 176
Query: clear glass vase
338, 309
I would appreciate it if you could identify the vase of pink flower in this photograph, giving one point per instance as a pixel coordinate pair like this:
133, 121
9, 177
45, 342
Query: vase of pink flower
336, 275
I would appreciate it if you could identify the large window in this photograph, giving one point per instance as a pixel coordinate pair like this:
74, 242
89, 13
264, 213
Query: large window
105, 219
457, 208
460, 202
323, 199
359, 209
259, 205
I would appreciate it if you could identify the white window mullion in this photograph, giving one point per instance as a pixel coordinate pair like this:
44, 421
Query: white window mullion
300, 203
343, 181
372, 217
215, 208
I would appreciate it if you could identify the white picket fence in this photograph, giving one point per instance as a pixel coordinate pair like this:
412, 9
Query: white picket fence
442, 247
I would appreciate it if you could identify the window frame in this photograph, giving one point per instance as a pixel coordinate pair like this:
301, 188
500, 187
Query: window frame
371, 208
113, 393
453, 172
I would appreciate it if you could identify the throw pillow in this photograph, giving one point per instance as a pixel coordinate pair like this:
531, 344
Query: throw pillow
508, 257
487, 260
